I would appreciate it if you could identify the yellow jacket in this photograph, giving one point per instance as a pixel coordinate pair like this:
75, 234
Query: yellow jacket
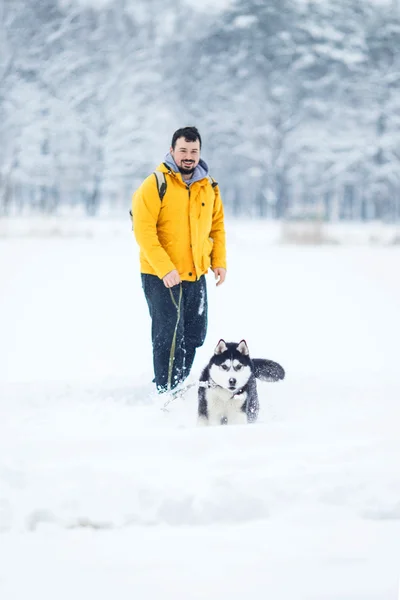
184, 231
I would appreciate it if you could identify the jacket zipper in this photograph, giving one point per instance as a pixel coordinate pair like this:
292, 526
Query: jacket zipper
188, 189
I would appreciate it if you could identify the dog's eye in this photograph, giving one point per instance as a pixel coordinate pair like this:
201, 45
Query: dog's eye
238, 367
224, 367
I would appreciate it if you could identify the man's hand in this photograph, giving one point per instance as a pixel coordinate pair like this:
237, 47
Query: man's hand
172, 278
220, 274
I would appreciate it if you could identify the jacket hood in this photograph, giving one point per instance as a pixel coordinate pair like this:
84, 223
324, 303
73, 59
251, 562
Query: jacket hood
200, 172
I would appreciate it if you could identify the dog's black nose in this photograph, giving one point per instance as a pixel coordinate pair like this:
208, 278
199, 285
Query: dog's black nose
232, 381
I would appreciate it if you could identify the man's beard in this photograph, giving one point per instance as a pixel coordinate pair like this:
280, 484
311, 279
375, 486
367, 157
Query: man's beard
186, 170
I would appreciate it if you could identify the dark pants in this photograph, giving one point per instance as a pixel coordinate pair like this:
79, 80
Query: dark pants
179, 326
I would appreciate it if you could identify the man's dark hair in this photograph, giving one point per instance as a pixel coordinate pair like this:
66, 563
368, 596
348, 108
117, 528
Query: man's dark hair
190, 134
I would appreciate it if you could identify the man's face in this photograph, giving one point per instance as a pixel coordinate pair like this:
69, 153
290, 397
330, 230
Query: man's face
186, 155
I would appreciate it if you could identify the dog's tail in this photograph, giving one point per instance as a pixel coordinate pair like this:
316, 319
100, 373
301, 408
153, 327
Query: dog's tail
267, 370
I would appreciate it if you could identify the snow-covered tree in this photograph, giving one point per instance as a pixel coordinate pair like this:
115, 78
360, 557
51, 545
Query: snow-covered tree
297, 100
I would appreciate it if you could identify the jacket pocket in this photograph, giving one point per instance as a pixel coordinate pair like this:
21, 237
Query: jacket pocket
207, 249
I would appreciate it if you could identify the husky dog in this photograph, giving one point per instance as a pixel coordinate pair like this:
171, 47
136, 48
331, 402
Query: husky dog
228, 388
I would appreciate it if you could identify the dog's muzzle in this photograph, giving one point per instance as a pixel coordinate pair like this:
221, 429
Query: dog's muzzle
232, 383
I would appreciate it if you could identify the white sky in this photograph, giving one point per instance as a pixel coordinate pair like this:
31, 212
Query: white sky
211, 4
206, 4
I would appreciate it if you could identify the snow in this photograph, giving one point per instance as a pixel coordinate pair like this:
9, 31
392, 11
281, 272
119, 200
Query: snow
244, 21
103, 494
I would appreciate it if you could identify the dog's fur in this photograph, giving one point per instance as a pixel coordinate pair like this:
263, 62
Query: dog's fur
228, 389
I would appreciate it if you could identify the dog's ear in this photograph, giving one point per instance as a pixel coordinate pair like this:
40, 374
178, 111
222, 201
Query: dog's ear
243, 348
221, 347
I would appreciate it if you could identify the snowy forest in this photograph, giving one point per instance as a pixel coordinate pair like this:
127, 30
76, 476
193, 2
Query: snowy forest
298, 103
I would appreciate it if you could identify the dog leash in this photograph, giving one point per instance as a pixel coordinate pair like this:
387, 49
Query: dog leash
176, 394
204, 384
173, 344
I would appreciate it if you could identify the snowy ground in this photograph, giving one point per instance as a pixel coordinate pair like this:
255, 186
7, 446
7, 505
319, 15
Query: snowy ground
103, 495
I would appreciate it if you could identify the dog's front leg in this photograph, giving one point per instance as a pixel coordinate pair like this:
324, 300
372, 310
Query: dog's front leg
202, 421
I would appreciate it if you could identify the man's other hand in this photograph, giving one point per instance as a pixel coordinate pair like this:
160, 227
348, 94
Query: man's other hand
172, 278
220, 274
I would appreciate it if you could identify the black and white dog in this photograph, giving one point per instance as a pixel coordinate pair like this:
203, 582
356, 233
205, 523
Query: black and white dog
228, 389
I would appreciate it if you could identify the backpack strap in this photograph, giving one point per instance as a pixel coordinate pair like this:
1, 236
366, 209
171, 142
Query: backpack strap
161, 183
212, 181
161, 186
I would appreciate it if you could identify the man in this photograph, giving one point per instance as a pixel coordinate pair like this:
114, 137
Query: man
180, 235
